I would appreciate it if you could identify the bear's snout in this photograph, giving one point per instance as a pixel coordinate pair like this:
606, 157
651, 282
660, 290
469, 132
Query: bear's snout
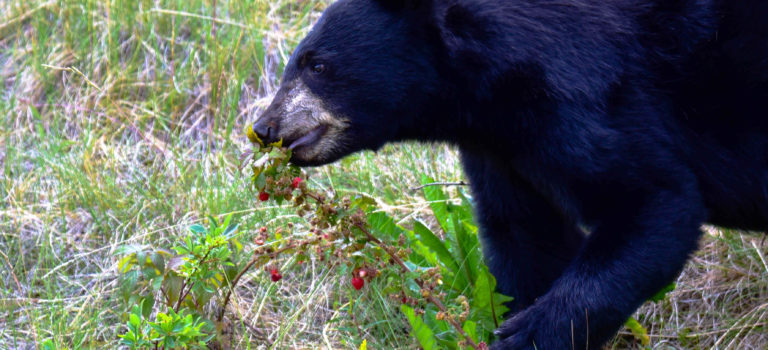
266, 130
299, 118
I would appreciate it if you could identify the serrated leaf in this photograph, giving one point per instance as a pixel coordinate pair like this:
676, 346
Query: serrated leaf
363, 202
276, 153
261, 161
436, 245
381, 222
482, 303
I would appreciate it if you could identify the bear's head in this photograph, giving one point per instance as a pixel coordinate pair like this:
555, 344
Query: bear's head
366, 74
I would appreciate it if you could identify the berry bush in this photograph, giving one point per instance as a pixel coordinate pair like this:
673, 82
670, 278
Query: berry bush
179, 297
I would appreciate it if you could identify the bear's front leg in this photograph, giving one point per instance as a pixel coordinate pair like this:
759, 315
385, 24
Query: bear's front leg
527, 243
627, 258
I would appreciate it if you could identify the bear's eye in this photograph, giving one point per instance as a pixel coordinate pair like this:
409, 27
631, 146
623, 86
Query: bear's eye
318, 68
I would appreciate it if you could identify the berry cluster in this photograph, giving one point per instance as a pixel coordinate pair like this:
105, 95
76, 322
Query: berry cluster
338, 234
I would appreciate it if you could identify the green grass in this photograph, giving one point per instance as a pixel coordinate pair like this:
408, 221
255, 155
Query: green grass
122, 123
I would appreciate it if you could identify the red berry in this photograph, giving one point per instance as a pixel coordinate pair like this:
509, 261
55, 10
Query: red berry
296, 182
263, 228
275, 275
263, 196
357, 282
362, 273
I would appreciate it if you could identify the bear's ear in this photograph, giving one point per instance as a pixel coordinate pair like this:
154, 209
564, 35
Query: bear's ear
406, 4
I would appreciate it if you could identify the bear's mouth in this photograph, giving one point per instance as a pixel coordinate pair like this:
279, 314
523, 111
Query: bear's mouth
309, 138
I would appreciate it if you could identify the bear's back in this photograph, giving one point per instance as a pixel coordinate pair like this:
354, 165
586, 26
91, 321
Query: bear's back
725, 79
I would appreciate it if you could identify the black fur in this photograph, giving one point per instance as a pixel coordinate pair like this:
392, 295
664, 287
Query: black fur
637, 120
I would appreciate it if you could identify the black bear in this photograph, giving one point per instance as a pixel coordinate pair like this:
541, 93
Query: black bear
597, 135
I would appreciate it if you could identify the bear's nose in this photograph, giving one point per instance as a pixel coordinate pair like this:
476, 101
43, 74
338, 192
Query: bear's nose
265, 131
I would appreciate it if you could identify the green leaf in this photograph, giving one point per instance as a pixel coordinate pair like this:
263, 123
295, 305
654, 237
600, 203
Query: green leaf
438, 202
364, 202
419, 330
226, 222
134, 320
445, 335
471, 328
381, 222
146, 304
260, 181
638, 331
464, 210
212, 221
660, 295
466, 249
487, 307
422, 255
126, 263
481, 296
128, 284
158, 261
230, 231
197, 228
436, 245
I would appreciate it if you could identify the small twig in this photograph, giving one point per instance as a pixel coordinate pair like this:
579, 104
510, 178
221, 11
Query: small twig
184, 283
248, 266
232, 285
440, 183
76, 71
430, 296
